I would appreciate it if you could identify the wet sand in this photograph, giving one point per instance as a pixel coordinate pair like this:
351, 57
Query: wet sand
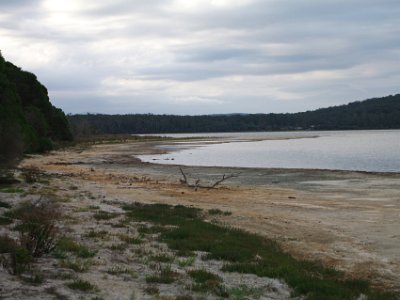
346, 220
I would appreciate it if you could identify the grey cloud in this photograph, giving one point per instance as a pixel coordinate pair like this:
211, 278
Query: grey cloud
164, 43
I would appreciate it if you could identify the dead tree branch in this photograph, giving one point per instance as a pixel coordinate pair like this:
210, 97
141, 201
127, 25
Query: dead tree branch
197, 184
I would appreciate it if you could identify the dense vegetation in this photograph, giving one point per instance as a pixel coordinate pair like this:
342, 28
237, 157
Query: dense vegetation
28, 121
377, 113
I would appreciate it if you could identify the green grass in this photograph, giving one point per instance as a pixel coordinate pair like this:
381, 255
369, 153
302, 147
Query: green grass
81, 285
117, 270
104, 215
163, 258
186, 262
249, 253
11, 190
77, 265
151, 229
101, 234
166, 275
67, 244
205, 281
216, 211
161, 213
35, 278
130, 239
244, 292
118, 247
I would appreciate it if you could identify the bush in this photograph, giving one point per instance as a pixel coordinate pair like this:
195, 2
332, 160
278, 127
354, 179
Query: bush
38, 231
15, 258
45, 145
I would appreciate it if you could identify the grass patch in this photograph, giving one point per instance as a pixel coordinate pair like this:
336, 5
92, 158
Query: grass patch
130, 239
35, 278
186, 262
151, 229
216, 211
97, 234
67, 244
117, 270
161, 213
77, 265
19, 258
244, 292
81, 285
163, 258
205, 281
152, 290
104, 215
165, 275
118, 247
249, 253
11, 190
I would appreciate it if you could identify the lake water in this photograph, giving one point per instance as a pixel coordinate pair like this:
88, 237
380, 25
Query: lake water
371, 150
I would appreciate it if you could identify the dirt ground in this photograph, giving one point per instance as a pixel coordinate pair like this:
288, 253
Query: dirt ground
347, 220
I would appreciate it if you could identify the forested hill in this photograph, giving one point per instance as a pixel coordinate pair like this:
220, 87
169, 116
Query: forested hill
377, 113
28, 121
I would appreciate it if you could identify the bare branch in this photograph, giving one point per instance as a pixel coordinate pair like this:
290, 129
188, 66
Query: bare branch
223, 179
184, 180
197, 184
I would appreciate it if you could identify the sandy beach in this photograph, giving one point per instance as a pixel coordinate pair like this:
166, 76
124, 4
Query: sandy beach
346, 220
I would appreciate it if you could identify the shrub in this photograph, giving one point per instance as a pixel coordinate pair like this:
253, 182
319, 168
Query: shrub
67, 244
81, 285
165, 275
38, 231
31, 174
15, 258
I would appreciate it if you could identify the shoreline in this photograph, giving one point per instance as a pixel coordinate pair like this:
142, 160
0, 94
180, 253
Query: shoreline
167, 153
344, 220
329, 216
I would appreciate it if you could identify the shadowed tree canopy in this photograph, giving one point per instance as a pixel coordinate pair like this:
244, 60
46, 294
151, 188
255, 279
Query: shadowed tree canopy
28, 121
377, 113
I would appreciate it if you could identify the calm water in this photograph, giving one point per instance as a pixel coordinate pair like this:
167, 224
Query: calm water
375, 150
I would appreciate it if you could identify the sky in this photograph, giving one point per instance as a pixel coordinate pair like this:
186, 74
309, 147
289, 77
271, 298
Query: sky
205, 56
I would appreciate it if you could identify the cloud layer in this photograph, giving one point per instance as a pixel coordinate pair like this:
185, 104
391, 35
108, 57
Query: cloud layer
205, 56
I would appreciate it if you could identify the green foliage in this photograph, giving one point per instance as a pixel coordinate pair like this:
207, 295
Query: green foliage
37, 227
248, 253
161, 213
66, 244
244, 292
11, 190
104, 215
164, 275
28, 121
186, 262
81, 285
205, 281
163, 258
18, 259
377, 113
216, 211
78, 265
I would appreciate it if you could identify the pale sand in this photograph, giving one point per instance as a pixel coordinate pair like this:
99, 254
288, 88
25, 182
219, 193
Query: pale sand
346, 220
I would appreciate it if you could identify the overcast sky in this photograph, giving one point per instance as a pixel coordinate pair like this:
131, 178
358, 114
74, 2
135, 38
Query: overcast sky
205, 56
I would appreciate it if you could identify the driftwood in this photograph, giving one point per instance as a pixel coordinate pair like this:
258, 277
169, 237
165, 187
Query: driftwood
197, 184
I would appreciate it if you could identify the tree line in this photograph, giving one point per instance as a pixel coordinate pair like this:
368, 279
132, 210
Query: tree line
28, 121
376, 113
